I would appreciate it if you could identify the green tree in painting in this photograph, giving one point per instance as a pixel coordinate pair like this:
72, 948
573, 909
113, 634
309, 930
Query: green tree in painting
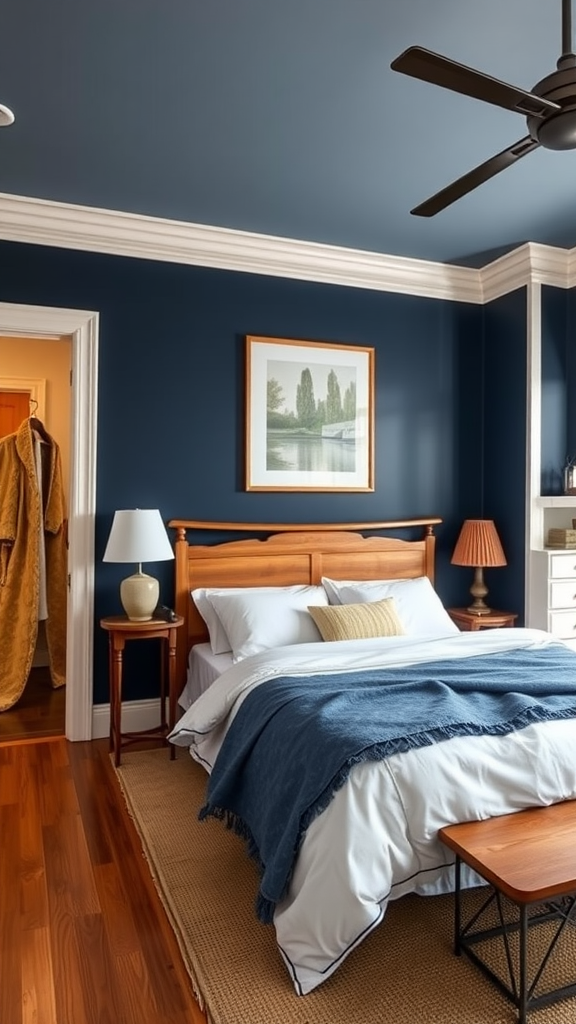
305, 402
349, 405
274, 395
334, 412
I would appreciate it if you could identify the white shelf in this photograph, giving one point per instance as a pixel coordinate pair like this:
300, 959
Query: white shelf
557, 501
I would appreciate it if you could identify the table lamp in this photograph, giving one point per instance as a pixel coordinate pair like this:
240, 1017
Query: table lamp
138, 535
478, 545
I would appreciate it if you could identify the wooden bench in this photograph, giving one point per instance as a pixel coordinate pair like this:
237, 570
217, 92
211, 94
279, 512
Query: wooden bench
530, 858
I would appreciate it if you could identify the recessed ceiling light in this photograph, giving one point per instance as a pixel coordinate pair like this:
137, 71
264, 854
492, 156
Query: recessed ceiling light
6, 116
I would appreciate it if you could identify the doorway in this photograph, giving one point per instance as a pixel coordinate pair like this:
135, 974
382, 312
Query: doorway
80, 327
40, 710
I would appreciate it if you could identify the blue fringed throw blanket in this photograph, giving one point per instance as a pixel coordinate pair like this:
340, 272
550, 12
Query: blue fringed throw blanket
294, 740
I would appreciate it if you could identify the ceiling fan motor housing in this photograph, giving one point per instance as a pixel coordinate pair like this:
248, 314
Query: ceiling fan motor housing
557, 129
549, 108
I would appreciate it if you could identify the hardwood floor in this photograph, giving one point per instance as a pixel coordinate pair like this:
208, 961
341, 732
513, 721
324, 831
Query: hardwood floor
40, 711
83, 936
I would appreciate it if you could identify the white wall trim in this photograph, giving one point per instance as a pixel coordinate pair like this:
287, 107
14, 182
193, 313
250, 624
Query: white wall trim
42, 222
82, 328
136, 716
530, 263
506, 274
69, 226
534, 514
551, 266
572, 268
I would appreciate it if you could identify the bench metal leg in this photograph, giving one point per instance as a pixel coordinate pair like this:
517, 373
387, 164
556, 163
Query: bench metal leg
520, 990
522, 965
457, 905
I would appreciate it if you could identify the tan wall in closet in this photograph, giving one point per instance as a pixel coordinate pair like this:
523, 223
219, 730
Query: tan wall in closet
51, 360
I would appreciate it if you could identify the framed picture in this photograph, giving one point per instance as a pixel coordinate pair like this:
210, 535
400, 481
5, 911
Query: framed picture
309, 416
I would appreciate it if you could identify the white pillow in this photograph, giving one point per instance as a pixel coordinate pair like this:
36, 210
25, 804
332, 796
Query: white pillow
219, 642
333, 587
419, 608
256, 619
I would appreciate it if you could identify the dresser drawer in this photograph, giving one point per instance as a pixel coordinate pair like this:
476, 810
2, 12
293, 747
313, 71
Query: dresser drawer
562, 594
563, 624
563, 565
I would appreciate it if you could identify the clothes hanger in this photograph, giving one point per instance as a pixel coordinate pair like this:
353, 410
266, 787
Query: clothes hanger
37, 425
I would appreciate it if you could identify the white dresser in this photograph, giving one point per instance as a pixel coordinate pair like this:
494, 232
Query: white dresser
555, 579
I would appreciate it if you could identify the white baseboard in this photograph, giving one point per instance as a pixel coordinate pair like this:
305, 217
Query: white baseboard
136, 715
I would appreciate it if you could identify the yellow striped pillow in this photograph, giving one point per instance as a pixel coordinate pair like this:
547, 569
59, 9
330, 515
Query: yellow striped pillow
357, 621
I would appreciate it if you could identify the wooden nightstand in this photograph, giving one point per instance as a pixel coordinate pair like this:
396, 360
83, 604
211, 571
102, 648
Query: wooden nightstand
466, 620
120, 629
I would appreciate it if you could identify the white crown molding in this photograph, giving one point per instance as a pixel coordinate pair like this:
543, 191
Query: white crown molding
69, 226
550, 265
506, 274
42, 222
572, 268
530, 263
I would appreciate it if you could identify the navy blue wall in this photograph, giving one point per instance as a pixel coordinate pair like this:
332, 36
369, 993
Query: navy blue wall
171, 401
557, 441
505, 443
571, 373
468, 439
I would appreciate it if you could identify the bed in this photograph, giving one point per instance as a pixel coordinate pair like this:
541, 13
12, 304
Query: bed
352, 720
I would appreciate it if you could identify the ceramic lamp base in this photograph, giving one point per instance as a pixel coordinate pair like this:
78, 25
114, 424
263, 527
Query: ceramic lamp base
139, 595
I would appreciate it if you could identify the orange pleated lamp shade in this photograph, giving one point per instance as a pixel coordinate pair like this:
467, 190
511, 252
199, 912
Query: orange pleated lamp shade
478, 544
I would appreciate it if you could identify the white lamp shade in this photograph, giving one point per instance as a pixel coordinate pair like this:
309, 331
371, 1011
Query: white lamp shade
138, 535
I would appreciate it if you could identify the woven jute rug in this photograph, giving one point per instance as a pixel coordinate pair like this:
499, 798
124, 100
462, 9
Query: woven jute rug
404, 973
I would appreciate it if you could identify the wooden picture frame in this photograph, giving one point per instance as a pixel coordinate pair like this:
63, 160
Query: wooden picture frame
309, 416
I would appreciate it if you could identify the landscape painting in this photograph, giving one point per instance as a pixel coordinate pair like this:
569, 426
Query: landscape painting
309, 416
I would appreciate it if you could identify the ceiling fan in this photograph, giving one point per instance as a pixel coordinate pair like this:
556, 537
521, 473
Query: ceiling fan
549, 108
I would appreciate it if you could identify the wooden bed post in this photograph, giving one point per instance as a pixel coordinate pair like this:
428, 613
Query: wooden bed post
181, 600
430, 546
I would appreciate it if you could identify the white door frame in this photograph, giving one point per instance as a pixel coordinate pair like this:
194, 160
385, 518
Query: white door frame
81, 326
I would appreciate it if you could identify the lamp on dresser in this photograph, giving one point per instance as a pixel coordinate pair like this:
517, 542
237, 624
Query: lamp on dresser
478, 546
138, 535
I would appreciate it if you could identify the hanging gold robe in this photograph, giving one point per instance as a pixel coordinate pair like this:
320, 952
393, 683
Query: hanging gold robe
22, 516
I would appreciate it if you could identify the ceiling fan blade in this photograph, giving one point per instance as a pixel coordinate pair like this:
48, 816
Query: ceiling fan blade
432, 67
476, 177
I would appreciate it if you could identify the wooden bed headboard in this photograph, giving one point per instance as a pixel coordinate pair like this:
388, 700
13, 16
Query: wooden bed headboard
290, 554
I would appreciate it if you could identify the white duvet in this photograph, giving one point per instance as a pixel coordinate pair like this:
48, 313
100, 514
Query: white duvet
377, 840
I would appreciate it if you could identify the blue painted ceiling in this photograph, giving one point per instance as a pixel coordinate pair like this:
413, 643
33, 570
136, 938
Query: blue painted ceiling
283, 117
